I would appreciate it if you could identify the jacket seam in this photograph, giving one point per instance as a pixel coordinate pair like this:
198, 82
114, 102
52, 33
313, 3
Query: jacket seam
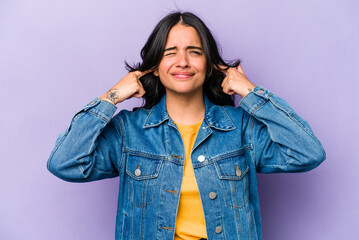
297, 122
123, 138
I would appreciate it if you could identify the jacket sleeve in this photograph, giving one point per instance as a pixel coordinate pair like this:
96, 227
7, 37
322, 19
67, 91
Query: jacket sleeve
282, 140
90, 149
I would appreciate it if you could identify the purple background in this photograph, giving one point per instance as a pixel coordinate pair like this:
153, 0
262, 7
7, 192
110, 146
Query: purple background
56, 56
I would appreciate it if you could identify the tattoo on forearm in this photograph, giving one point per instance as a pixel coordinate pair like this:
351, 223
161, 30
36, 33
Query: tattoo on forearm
112, 95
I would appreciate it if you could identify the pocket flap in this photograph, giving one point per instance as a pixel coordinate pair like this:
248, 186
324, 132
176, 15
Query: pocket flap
232, 168
141, 168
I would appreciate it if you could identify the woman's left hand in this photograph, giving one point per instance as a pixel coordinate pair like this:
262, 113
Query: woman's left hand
236, 81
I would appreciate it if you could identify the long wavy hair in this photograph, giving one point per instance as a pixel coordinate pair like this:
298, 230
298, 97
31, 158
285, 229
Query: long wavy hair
153, 50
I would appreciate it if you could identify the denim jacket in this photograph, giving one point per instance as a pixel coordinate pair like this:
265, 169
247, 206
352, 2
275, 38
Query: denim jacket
145, 150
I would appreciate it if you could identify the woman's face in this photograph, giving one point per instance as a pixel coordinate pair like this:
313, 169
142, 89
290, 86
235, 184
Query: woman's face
182, 69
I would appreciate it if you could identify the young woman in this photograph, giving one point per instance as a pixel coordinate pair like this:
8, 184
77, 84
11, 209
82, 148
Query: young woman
187, 160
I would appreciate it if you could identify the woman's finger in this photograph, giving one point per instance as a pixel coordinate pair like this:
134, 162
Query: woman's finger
240, 69
140, 91
224, 81
227, 88
139, 74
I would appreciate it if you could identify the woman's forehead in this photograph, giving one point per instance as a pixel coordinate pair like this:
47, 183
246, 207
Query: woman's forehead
181, 36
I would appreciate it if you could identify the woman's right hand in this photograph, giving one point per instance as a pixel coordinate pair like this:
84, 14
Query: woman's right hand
129, 86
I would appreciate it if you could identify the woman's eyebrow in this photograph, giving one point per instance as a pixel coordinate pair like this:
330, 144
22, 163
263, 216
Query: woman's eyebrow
189, 47
194, 47
169, 49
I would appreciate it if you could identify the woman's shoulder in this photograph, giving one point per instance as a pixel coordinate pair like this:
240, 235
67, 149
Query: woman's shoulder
239, 117
137, 117
130, 115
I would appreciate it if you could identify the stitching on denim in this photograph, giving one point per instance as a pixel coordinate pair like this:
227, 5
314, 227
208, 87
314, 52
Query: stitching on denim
105, 119
236, 210
124, 218
224, 192
228, 117
199, 143
144, 195
145, 184
251, 140
236, 206
232, 154
148, 176
220, 209
298, 122
232, 177
123, 138
226, 155
55, 150
81, 160
144, 177
148, 117
259, 105
78, 115
234, 192
144, 154
244, 204
274, 165
132, 200
174, 161
159, 200
132, 218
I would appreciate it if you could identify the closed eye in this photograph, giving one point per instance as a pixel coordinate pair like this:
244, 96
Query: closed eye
196, 52
168, 54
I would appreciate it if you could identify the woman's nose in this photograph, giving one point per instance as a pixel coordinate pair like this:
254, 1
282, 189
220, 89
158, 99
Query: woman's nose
182, 60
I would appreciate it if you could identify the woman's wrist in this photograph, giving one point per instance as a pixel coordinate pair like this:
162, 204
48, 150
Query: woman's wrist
111, 96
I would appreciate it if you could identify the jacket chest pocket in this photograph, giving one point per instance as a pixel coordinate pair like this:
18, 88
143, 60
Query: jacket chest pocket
232, 172
143, 177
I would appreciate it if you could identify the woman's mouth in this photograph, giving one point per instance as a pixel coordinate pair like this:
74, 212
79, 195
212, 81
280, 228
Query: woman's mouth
182, 75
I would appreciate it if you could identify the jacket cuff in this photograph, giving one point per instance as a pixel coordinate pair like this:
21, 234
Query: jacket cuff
103, 109
254, 99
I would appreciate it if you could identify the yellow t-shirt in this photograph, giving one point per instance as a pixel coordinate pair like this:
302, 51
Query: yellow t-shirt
190, 222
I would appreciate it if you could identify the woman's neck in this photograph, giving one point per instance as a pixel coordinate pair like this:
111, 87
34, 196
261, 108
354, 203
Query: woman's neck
186, 109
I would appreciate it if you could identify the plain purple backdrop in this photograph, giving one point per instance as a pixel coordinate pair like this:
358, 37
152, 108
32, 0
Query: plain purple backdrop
56, 56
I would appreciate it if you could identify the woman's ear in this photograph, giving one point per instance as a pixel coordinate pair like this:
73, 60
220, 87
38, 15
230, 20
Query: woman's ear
156, 73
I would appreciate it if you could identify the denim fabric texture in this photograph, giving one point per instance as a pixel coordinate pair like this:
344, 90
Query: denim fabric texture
145, 150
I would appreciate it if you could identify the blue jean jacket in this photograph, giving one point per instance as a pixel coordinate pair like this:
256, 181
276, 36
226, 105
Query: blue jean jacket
145, 150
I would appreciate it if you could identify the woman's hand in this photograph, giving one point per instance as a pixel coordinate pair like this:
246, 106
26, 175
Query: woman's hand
236, 81
129, 86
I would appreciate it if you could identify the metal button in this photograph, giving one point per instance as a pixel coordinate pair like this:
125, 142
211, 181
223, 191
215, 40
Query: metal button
218, 229
260, 91
212, 195
238, 171
138, 171
200, 158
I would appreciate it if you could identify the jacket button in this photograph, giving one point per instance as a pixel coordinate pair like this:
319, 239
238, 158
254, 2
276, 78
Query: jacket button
238, 171
212, 195
137, 172
218, 229
200, 158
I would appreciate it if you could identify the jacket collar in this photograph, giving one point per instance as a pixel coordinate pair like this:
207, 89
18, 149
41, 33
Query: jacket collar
215, 115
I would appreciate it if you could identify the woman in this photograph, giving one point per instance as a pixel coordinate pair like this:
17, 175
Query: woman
187, 160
